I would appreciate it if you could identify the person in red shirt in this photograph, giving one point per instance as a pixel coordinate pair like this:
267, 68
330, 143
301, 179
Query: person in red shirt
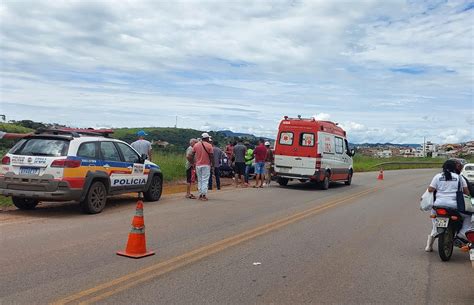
260, 154
203, 158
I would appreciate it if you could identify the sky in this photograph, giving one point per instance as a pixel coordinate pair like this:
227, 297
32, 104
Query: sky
387, 71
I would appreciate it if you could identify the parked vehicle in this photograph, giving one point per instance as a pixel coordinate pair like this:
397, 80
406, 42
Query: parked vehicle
82, 165
468, 172
448, 222
308, 149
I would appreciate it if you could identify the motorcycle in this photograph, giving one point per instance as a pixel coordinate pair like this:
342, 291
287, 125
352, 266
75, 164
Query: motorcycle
448, 223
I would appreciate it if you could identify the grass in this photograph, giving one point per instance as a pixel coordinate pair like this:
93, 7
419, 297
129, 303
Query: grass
366, 163
5, 201
172, 165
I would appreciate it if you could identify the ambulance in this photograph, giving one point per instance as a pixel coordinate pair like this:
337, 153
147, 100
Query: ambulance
312, 150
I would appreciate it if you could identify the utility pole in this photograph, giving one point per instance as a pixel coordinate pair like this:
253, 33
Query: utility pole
424, 147
176, 122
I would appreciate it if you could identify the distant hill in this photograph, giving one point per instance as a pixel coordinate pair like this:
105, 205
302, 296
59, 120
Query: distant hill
230, 134
385, 145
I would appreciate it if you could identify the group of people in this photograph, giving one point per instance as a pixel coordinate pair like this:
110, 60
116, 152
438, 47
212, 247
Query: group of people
445, 185
204, 159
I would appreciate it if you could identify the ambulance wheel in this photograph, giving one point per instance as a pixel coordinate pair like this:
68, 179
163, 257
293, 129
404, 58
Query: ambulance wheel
349, 179
95, 199
325, 182
282, 181
154, 190
25, 203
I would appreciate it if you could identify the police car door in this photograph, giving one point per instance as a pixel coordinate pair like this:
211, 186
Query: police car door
136, 178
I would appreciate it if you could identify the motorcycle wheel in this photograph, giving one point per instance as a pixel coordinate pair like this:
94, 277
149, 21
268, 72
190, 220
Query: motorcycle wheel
446, 244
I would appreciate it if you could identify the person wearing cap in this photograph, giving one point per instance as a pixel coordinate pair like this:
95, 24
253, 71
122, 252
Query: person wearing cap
269, 161
203, 156
141, 145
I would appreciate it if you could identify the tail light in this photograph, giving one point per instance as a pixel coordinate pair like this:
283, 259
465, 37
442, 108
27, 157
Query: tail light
6, 160
66, 163
318, 164
470, 236
442, 212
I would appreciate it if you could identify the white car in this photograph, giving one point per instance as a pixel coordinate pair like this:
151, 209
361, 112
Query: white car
75, 164
468, 172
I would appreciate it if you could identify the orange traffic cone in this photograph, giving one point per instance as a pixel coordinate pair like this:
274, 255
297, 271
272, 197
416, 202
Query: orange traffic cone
380, 177
136, 245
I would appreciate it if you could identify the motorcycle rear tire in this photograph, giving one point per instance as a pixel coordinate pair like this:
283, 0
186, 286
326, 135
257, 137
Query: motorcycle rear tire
446, 244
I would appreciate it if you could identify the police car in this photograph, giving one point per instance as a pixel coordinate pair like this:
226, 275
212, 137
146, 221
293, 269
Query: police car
83, 165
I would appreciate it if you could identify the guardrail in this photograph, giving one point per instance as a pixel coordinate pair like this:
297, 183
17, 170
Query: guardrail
406, 163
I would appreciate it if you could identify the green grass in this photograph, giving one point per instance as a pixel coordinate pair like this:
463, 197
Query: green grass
8, 127
365, 163
172, 165
5, 201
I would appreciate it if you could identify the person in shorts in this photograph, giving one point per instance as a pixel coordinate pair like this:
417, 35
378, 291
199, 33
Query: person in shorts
190, 170
260, 153
238, 154
269, 161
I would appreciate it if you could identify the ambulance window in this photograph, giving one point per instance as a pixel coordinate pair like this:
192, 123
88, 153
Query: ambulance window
109, 152
87, 150
128, 154
286, 138
307, 139
339, 145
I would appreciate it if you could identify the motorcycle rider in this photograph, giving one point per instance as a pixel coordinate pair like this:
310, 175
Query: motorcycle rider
445, 185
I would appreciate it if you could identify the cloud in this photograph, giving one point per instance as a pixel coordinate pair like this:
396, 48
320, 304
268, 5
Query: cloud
322, 116
376, 67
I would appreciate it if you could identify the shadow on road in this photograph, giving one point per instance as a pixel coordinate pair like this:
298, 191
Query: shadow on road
71, 209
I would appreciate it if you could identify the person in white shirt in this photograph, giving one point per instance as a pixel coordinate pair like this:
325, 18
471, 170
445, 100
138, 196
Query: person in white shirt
446, 185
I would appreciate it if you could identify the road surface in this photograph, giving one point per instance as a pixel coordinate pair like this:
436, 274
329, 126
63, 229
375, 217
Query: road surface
355, 244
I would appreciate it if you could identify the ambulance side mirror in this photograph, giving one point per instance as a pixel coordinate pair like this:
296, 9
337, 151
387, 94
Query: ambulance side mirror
352, 152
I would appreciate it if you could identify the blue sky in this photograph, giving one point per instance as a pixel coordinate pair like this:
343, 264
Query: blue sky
387, 71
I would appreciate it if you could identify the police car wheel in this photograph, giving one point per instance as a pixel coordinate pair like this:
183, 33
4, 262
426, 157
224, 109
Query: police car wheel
25, 203
154, 190
95, 199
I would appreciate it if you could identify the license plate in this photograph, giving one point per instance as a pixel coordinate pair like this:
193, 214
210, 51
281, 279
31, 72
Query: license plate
441, 222
29, 171
471, 254
284, 170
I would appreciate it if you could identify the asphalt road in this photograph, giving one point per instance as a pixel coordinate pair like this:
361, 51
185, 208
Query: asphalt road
295, 245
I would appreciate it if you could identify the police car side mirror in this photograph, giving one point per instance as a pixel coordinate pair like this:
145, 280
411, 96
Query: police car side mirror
143, 157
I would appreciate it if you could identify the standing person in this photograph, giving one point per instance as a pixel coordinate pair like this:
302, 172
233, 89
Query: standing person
260, 154
269, 161
229, 149
190, 168
238, 155
248, 162
141, 145
202, 151
218, 156
446, 185
9, 135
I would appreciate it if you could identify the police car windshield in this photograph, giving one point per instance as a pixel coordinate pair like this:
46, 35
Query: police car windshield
42, 147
